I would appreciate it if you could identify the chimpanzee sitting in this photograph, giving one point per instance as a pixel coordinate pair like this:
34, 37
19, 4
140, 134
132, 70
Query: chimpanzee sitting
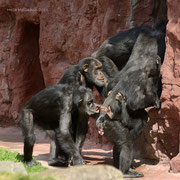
51, 109
121, 126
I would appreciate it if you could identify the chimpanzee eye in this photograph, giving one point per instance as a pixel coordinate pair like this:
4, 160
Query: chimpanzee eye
90, 102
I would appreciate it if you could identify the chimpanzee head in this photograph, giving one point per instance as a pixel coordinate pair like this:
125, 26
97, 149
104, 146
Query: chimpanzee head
110, 110
83, 99
92, 71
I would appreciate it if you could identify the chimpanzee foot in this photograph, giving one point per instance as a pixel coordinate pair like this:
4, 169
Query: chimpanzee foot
133, 174
32, 163
78, 161
58, 162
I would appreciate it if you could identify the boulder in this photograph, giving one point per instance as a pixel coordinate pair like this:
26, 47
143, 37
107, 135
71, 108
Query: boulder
12, 167
85, 172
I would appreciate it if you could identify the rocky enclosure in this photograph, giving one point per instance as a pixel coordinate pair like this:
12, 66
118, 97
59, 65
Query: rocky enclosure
39, 40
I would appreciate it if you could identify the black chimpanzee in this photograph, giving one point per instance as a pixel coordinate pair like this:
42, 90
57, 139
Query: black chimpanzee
123, 117
52, 109
121, 126
118, 48
134, 88
86, 73
142, 72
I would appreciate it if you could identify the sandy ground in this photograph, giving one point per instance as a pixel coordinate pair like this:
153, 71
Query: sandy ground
11, 138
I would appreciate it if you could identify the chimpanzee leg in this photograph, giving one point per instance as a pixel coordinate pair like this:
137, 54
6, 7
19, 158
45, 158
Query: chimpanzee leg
139, 124
81, 131
125, 156
29, 136
54, 151
65, 140
125, 161
137, 129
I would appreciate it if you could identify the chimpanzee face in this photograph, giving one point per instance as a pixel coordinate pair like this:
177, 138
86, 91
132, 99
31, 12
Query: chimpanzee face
98, 75
89, 106
93, 72
86, 104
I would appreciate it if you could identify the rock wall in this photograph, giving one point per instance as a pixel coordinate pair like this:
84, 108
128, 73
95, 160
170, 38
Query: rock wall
171, 84
164, 126
39, 40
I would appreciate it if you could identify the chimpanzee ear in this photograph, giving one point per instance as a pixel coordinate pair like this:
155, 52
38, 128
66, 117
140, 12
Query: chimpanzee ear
86, 68
78, 100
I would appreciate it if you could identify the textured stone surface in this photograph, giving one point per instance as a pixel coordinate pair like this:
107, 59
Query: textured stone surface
175, 164
12, 167
39, 40
171, 81
98, 172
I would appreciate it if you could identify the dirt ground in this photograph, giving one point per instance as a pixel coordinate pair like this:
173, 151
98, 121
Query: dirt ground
11, 138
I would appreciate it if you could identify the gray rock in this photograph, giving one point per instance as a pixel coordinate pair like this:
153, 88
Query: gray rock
85, 172
13, 167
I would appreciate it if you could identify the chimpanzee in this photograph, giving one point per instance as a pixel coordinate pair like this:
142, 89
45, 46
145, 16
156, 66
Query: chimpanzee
139, 87
52, 109
86, 73
118, 48
142, 72
134, 88
121, 126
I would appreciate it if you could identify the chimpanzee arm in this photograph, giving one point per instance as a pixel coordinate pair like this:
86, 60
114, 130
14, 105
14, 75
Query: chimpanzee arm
65, 140
81, 131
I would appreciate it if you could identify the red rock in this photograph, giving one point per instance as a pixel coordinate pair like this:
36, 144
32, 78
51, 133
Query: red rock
175, 164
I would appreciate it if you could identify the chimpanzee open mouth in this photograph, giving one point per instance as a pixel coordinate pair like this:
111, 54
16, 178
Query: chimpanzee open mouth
101, 131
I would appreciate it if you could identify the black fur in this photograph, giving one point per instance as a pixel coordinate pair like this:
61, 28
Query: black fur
118, 48
76, 75
139, 79
51, 109
121, 129
86, 73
